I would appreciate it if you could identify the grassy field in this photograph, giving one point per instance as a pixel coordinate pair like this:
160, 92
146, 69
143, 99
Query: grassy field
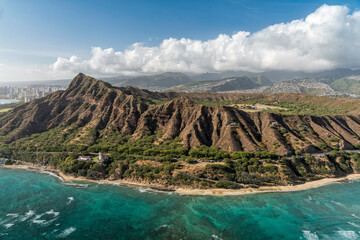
5, 109
290, 108
291, 104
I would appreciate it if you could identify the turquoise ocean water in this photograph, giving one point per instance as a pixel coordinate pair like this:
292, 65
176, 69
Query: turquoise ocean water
39, 206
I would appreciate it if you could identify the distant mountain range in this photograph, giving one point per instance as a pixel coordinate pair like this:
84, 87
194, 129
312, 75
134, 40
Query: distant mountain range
349, 85
173, 79
323, 76
306, 85
224, 85
152, 82
337, 82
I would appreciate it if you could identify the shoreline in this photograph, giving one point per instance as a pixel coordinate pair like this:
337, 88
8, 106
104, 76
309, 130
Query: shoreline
69, 178
267, 189
199, 192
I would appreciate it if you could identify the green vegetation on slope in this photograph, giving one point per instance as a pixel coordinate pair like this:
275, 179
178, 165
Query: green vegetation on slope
291, 107
347, 85
8, 106
169, 164
227, 84
126, 156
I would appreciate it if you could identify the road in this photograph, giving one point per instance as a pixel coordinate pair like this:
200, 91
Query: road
322, 154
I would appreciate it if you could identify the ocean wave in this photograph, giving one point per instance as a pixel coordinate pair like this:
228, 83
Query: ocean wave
27, 215
108, 183
52, 212
37, 219
70, 200
161, 227
12, 215
338, 203
66, 232
54, 175
142, 190
350, 235
355, 216
9, 225
151, 190
309, 235
308, 199
354, 224
138, 188
216, 237
47, 223
48, 173
62, 180
77, 185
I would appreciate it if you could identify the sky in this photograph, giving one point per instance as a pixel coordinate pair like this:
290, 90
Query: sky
56, 39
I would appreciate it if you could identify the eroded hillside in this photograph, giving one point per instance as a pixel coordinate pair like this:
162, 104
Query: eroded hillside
91, 105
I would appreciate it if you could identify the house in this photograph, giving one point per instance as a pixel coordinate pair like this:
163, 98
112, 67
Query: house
85, 158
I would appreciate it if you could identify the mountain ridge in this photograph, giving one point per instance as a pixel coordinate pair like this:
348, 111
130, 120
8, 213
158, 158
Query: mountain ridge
89, 103
224, 85
336, 82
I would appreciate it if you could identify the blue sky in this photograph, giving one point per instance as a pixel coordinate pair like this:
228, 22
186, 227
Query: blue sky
36, 32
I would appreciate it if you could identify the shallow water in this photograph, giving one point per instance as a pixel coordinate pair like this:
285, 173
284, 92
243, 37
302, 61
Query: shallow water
6, 101
39, 206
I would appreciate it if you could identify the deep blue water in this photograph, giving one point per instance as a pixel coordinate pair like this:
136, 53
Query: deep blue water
39, 206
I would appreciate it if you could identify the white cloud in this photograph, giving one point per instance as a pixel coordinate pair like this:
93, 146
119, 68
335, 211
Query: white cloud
327, 38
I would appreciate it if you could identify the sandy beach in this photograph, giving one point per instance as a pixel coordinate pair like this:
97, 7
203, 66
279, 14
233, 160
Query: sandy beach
187, 191
244, 191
